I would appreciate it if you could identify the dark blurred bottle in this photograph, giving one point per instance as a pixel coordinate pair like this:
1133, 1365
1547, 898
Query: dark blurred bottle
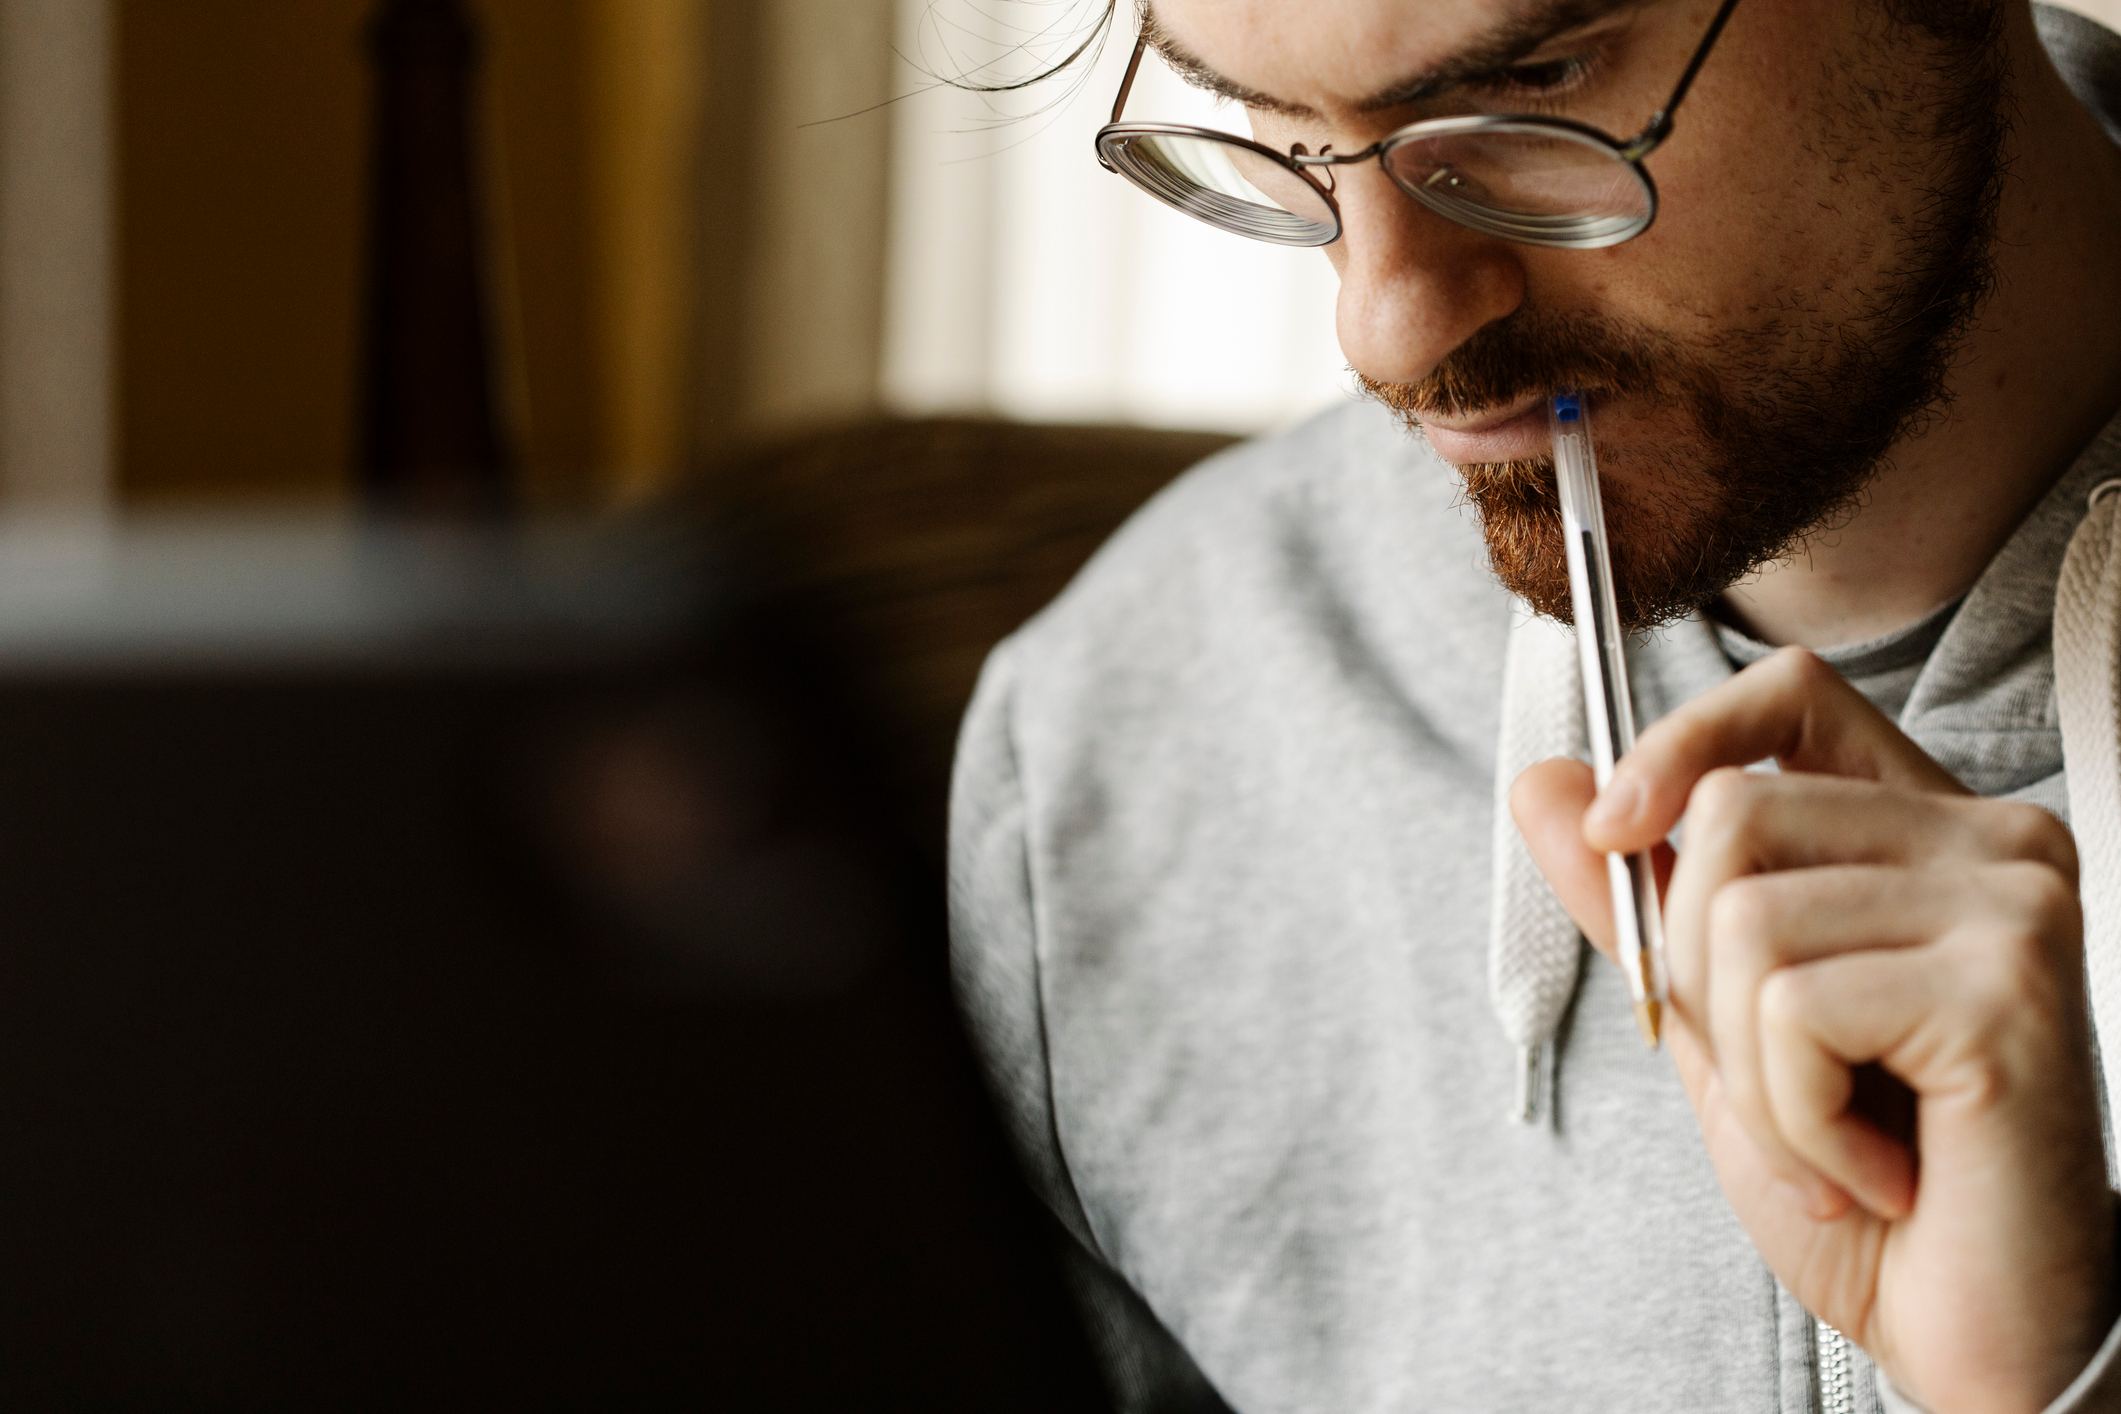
430, 439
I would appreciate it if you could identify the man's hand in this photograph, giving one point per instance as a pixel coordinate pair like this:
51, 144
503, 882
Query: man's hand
1878, 1013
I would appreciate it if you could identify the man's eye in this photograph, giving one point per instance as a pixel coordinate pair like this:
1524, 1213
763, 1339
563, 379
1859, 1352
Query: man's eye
1546, 79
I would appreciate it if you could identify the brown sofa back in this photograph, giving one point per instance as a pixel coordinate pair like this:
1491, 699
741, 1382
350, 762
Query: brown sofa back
913, 547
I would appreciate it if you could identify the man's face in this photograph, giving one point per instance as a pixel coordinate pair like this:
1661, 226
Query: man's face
1828, 201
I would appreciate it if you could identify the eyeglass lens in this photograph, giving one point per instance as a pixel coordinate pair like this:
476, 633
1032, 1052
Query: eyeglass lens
1527, 181
1227, 184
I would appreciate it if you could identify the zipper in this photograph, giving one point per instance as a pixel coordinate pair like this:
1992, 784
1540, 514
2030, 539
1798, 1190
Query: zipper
1837, 1376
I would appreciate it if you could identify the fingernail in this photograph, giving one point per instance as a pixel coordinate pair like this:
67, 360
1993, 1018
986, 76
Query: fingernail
1617, 805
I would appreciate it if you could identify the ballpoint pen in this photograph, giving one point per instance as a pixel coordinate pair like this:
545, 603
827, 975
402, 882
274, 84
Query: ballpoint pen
1608, 710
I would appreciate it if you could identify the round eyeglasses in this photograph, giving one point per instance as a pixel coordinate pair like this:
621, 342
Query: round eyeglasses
1536, 180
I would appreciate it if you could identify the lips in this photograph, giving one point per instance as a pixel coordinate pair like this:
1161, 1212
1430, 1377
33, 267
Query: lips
1516, 434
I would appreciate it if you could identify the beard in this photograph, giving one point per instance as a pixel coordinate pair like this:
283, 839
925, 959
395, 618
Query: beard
1781, 425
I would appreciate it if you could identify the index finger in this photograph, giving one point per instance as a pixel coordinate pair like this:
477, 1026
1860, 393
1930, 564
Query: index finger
1790, 708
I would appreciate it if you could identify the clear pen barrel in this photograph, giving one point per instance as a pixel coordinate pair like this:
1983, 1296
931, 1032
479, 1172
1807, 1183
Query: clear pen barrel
1609, 710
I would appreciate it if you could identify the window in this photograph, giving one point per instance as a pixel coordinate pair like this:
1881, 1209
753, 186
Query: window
1027, 282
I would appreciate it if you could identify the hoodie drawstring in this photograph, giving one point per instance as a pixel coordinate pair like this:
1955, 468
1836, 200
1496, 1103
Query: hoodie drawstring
1534, 949
2087, 648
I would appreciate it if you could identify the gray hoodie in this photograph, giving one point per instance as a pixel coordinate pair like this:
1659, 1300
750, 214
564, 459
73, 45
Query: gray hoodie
1223, 851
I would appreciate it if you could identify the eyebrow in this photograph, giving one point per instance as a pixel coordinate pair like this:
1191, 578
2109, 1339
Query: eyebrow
1502, 44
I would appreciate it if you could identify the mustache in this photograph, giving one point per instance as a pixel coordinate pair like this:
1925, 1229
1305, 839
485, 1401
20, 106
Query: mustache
1532, 352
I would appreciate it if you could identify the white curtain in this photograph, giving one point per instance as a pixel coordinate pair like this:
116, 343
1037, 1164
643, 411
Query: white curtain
1027, 281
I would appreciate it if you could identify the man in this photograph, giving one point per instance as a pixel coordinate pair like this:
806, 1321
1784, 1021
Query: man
1236, 904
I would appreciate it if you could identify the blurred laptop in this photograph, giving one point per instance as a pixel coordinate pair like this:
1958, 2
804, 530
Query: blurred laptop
454, 969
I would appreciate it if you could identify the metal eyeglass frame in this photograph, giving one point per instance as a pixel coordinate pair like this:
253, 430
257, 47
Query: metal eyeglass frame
1527, 229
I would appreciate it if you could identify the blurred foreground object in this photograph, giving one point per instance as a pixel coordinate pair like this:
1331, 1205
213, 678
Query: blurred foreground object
431, 438
462, 969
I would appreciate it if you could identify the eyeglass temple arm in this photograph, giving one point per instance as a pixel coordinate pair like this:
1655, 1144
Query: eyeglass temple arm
1660, 126
1126, 85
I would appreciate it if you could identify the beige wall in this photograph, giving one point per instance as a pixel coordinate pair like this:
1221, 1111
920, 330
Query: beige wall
244, 130
646, 82
242, 138
815, 311
795, 193
55, 256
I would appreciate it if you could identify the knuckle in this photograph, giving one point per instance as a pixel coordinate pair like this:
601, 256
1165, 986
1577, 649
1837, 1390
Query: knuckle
2021, 831
2041, 921
2014, 975
2067, 860
1724, 799
2046, 900
1784, 1002
1979, 1078
1785, 1005
1745, 1091
2013, 998
1743, 916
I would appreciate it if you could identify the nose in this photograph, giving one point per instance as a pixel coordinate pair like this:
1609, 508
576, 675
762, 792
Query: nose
1413, 286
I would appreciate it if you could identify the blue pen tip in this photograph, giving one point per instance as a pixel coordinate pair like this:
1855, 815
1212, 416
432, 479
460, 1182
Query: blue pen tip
1568, 407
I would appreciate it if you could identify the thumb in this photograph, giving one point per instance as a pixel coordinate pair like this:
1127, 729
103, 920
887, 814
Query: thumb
1548, 803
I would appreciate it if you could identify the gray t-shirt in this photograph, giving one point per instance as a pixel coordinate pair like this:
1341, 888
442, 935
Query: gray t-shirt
1883, 669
